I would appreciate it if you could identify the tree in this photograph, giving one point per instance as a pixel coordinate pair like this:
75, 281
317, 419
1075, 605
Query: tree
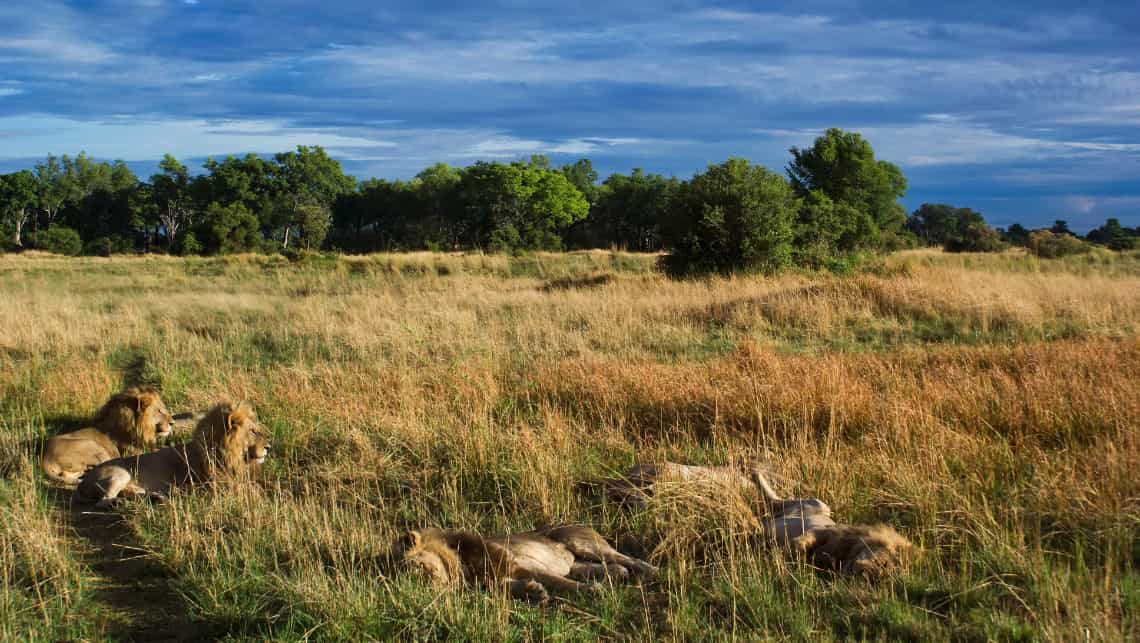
975, 237
1060, 226
936, 224
583, 176
306, 177
18, 201
1017, 235
52, 189
843, 167
438, 210
1113, 235
227, 229
172, 197
627, 212
313, 223
517, 206
734, 216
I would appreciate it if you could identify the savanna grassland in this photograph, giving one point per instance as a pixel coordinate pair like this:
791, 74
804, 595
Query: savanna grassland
986, 406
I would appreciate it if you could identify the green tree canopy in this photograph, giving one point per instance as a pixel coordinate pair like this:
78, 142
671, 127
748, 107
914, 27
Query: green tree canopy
734, 216
17, 202
518, 206
842, 166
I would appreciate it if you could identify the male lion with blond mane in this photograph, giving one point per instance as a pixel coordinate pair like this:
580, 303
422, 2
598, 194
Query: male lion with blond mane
804, 525
136, 417
226, 444
560, 559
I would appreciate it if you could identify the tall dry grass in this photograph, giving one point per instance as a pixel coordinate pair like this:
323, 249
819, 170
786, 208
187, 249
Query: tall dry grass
985, 406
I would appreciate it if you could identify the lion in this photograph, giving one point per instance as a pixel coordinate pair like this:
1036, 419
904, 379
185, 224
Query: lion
528, 565
805, 526
134, 418
227, 443
636, 484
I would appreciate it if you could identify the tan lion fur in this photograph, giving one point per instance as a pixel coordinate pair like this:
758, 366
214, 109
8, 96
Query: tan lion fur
134, 418
804, 525
854, 549
561, 559
637, 483
226, 444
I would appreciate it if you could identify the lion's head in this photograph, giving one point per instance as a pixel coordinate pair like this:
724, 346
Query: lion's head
866, 550
426, 552
136, 417
229, 440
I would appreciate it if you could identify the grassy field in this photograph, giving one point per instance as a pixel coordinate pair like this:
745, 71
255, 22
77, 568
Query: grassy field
986, 406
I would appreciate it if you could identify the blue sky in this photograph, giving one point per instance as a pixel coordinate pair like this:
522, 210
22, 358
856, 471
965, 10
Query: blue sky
1027, 111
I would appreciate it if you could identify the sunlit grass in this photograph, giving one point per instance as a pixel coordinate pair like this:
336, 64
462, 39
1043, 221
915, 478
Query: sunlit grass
984, 405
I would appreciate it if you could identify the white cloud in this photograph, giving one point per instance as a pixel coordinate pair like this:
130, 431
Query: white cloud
135, 138
944, 139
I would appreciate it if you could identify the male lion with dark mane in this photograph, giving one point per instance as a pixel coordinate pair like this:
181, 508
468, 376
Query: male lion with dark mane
226, 444
562, 559
136, 417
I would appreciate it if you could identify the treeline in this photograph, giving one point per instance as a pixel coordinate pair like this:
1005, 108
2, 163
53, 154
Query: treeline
966, 230
834, 201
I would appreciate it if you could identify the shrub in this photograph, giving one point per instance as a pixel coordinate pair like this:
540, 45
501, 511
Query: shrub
107, 246
976, 237
60, 240
1049, 245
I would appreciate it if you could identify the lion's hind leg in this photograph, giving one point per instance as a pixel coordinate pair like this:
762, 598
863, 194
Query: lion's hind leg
115, 485
586, 571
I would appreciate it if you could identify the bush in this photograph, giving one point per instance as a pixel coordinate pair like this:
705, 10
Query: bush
60, 240
734, 216
107, 246
1049, 245
976, 237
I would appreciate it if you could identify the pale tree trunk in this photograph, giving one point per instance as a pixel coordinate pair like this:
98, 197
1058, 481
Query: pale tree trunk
285, 241
18, 224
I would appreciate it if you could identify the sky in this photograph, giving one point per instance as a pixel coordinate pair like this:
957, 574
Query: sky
1027, 111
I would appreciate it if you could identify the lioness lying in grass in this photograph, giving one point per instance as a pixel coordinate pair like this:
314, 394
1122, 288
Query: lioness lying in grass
561, 559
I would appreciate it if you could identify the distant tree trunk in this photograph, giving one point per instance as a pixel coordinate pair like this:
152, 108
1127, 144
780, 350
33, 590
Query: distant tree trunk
21, 219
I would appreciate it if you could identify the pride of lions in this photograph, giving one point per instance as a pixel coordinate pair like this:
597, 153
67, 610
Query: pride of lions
227, 443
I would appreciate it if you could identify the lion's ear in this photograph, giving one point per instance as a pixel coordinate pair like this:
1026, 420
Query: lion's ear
413, 538
233, 421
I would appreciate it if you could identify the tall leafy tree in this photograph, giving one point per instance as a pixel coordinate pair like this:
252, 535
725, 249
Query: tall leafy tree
18, 201
583, 176
843, 167
628, 210
52, 186
518, 206
438, 210
307, 182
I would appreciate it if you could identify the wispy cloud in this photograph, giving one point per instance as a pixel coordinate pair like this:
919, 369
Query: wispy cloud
1003, 102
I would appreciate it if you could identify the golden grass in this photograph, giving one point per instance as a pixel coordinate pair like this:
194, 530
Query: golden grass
985, 406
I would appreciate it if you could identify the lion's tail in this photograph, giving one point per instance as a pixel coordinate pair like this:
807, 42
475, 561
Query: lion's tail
762, 484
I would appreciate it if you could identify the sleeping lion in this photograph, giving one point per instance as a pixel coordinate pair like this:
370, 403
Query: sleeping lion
804, 525
136, 417
227, 443
561, 559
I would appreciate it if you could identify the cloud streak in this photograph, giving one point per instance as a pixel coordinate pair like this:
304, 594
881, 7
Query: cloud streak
1004, 102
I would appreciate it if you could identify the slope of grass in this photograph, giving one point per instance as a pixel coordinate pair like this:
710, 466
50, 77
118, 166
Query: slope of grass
984, 405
